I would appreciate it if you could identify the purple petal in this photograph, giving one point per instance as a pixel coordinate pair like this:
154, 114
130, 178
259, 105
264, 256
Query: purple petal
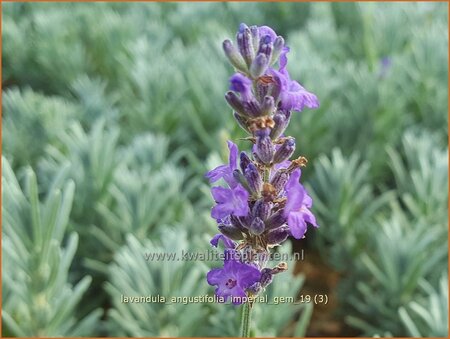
221, 194
283, 164
309, 217
297, 224
245, 274
231, 265
214, 276
226, 171
220, 211
249, 276
230, 180
217, 173
228, 243
293, 96
295, 193
283, 58
297, 97
281, 78
293, 181
280, 86
223, 291
230, 201
239, 295
241, 195
307, 201
232, 159
294, 200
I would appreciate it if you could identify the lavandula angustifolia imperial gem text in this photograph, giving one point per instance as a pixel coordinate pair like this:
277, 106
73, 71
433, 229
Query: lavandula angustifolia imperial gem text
264, 202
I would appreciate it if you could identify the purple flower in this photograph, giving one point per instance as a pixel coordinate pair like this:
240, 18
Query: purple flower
297, 206
230, 201
226, 171
293, 96
233, 279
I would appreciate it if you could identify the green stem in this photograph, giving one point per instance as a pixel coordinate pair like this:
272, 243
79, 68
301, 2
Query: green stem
246, 311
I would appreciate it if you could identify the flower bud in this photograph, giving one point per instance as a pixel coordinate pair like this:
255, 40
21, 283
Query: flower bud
253, 177
280, 268
252, 108
278, 235
236, 222
281, 120
231, 232
264, 146
267, 106
276, 220
257, 226
277, 48
255, 289
245, 44
241, 121
256, 157
255, 37
259, 66
245, 161
235, 103
233, 56
243, 85
279, 180
261, 209
266, 277
245, 221
239, 177
266, 47
276, 88
285, 151
261, 90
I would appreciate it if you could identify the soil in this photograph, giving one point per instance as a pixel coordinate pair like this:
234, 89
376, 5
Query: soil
322, 279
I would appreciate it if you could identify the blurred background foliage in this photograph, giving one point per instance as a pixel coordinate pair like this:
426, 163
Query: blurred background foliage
112, 112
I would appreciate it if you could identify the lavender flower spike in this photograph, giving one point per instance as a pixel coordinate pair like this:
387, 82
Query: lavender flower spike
264, 202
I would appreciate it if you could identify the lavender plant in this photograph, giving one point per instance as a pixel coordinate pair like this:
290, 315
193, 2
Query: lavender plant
264, 202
